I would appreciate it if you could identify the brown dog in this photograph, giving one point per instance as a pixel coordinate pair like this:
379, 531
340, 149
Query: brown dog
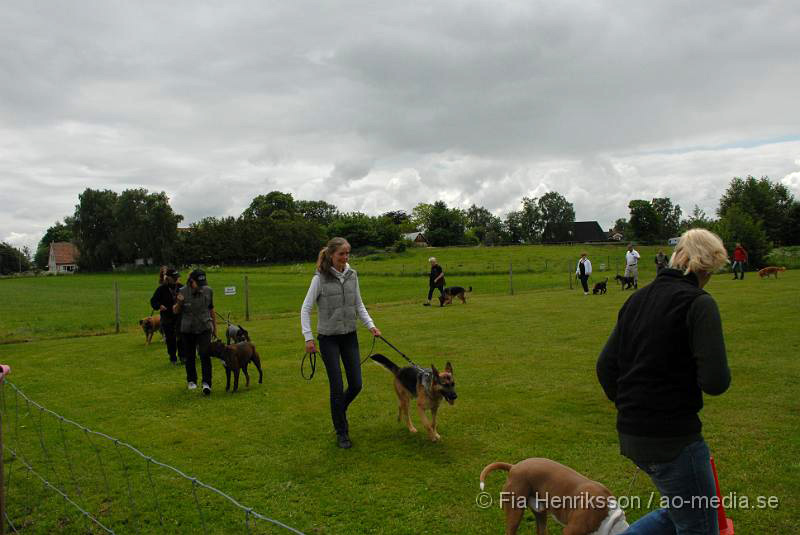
150, 325
430, 387
771, 270
581, 505
453, 291
236, 357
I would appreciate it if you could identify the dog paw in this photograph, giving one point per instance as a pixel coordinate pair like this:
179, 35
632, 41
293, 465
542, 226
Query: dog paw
412, 429
436, 437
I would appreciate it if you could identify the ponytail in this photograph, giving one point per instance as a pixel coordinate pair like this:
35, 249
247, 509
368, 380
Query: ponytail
162, 274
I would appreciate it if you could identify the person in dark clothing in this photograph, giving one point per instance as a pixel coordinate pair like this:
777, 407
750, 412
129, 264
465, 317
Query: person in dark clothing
583, 271
195, 303
661, 262
163, 300
436, 280
665, 351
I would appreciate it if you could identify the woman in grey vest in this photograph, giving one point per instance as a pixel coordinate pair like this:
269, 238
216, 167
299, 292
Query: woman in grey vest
334, 289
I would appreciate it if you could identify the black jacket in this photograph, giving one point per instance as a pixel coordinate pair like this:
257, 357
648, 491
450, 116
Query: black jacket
165, 295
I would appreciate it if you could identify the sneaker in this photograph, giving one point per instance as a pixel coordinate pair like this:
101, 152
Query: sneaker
426, 304
192, 386
206, 389
343, 441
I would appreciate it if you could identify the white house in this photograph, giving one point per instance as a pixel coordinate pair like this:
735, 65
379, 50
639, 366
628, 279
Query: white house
63, 258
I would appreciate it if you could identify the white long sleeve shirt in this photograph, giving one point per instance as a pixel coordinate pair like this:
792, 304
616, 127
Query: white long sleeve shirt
587, 266
632, 257
311, 298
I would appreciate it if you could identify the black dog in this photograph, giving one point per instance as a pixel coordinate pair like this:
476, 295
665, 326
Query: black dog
626, 283
453, 291
600, 287
236, 357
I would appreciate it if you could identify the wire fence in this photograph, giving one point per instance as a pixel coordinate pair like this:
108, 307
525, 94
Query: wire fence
61, 476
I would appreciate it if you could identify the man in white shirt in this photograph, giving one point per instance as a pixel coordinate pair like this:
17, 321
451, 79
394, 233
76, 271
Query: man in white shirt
632, 265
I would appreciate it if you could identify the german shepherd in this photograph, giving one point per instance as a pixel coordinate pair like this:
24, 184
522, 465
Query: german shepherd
771, 270
600, 287
236, 357
430, 387
150, 325
453, 291
626, 283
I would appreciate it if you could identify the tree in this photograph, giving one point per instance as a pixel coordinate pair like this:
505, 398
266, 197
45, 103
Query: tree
764, 201
93, 229
531, 221
320, 212
623, 227
275, 205
738, 226
557, 216
669, 217
644, 222
512, 227
421, 216
484, 225
59, 232
12, 260
445, 226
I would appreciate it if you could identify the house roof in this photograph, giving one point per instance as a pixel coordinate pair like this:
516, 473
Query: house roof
65, 252
584, 231
413, 235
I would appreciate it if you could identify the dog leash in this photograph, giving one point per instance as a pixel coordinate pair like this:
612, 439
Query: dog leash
312, 359
223, 318
388, 343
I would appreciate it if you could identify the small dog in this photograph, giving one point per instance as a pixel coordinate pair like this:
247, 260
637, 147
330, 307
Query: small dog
150, 325
626, 283
771, 270
600, 287
237, 333
236, 357
579, 504
430, 387
453, 291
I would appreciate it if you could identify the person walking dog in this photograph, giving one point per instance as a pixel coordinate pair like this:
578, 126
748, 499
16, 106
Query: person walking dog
195, 303
583, 271
163, 300
436, 280
665, 351
739, 260
334, 289
632, 265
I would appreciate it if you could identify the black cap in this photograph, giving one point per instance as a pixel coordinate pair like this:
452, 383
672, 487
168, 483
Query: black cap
199, 277
172, 272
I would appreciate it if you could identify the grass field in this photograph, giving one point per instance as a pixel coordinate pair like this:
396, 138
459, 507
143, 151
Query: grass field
524, 365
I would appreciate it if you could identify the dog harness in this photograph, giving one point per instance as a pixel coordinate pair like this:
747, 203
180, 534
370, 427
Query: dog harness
426, 380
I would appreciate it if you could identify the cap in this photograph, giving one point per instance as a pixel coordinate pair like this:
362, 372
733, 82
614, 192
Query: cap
172, 272
199, 277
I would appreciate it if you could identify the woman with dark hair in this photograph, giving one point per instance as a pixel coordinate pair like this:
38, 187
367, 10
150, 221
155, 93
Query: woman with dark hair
163, 300
665, 352
334, 289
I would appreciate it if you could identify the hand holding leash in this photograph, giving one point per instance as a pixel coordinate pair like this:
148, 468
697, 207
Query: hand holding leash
375, 331
311, 346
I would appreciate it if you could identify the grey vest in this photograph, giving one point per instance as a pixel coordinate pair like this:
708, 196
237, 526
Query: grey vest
336, 304
195, 315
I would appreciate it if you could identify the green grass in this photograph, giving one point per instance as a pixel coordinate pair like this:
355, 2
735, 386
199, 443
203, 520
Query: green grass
524, 366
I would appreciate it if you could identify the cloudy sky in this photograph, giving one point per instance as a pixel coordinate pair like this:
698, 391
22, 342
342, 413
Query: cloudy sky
377, 106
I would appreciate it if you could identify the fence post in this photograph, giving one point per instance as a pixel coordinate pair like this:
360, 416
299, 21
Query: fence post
511, 277
545, 266
246, 300
116, 303
569, 275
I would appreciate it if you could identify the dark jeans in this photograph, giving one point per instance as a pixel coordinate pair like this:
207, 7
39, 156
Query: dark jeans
434, 287
682, 480
738, 267
334, 348
200, 342
584, 283
170, 337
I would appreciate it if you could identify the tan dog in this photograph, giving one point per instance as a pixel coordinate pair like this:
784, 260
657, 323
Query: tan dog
771, 270
150, 325
582, 506
430, 387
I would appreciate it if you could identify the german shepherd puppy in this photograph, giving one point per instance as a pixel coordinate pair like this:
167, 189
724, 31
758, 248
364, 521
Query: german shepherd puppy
626, 283
453, 291
150, 325
600, 287
430, 387
236, 357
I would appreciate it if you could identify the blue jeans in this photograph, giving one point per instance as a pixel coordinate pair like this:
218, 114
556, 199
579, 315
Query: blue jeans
681, 480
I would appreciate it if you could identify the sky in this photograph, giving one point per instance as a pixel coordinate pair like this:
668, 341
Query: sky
378, 106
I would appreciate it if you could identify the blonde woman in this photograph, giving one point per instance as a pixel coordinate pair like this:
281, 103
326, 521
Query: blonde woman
665, 351
334, 289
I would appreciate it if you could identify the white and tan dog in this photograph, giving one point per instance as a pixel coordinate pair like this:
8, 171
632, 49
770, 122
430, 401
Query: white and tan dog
582, 506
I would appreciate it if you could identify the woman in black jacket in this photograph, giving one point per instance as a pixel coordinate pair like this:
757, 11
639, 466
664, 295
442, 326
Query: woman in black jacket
163, 299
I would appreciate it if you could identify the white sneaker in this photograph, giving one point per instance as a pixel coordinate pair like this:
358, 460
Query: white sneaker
206, 389
192, 386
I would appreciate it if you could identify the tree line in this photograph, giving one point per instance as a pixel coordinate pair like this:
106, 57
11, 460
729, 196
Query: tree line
111, 229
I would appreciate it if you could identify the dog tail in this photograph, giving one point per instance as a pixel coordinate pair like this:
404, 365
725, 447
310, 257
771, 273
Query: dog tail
385, 362
489, 468
470, 289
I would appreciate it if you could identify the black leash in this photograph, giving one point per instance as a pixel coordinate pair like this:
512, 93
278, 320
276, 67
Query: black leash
312, 359
388, 343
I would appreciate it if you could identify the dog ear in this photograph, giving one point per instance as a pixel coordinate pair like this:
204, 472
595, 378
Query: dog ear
435, 373
448, 368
